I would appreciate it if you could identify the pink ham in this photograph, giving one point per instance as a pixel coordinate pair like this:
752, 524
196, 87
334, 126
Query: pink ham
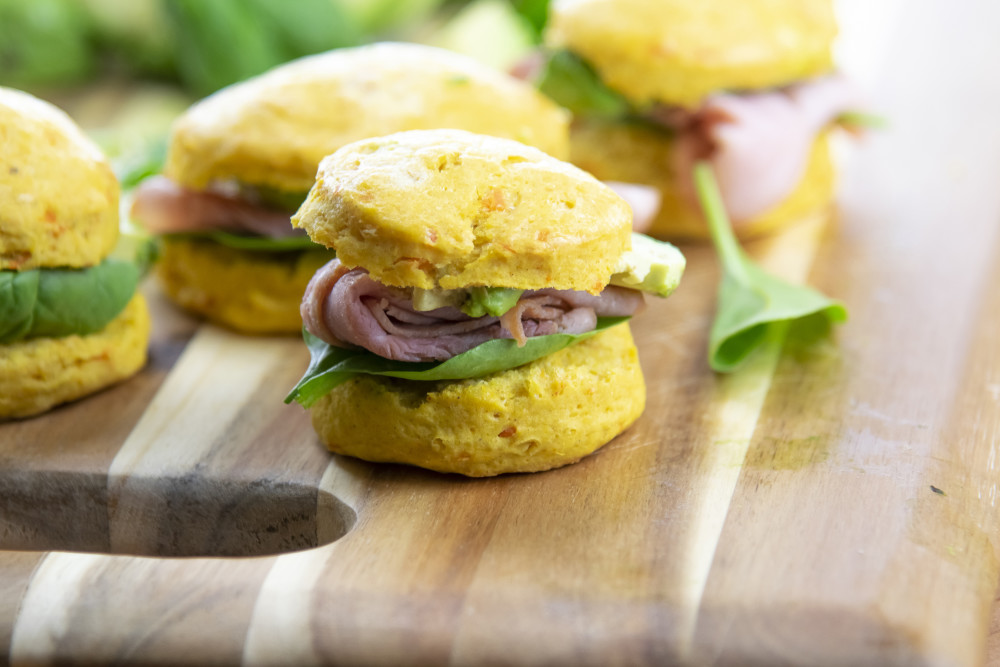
758, 143
528, 68
643, 199
348, 308
164, 207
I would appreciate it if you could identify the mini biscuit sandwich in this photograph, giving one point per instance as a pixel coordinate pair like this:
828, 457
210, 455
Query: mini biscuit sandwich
474, 320
71, 321
240, 163
657, 85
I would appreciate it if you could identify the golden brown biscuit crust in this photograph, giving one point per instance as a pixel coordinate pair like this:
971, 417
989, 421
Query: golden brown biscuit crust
451, 209
249, 291
636, 153
58, 195
273, 130
677, 51
549, 413
39, 373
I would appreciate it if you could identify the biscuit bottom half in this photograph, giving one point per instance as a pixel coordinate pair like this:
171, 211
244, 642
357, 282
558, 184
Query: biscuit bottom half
636, 153
246, 290
39, 373
543, 415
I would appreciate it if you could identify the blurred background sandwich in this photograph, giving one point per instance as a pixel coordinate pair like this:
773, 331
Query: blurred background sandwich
657, 85
241, 161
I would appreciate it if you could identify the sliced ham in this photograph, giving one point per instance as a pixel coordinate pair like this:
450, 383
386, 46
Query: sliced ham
643, 199
758, 143
528, 68
348, 308
164, 207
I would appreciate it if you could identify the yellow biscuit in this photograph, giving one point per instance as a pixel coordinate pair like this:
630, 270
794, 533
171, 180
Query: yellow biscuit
58, 195
250, 291
637, 153
543, 415
677, 51
39, 373
451, 209
273, 130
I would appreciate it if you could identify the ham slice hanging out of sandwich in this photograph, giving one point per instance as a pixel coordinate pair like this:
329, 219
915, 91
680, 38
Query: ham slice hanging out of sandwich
165, 207
347, 307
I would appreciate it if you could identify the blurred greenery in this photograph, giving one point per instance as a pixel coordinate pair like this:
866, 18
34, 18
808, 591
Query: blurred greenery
44, 42
223, 42
535, 12
573, 83
490, 31
207, 44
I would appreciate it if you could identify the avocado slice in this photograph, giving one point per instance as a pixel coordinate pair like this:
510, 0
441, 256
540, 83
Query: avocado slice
650, 266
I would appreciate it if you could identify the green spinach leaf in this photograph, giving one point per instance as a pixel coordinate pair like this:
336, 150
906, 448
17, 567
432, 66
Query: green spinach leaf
572, 83
750, 300
62, 302
332, 366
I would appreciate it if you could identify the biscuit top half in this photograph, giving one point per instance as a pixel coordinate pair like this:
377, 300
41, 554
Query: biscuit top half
451, 209
677, 52
58, 194
273, 130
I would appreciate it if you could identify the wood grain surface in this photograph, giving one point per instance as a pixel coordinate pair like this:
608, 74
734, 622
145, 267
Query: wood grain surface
834, 503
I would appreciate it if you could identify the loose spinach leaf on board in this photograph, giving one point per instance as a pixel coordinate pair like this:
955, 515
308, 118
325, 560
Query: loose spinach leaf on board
750, 300
331, 366
62, 302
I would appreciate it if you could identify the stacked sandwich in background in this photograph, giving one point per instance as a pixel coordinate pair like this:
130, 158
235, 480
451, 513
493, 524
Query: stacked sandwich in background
657, 85
71, 321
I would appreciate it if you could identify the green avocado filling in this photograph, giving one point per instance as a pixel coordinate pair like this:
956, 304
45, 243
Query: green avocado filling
473, 301
331, 366
62, 302
493, 301
649, 266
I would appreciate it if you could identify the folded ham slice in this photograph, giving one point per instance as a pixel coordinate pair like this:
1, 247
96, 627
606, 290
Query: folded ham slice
758, 143
346, 307
164, 207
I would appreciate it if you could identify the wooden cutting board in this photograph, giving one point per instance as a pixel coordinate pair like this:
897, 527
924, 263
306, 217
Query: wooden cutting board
832, 503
